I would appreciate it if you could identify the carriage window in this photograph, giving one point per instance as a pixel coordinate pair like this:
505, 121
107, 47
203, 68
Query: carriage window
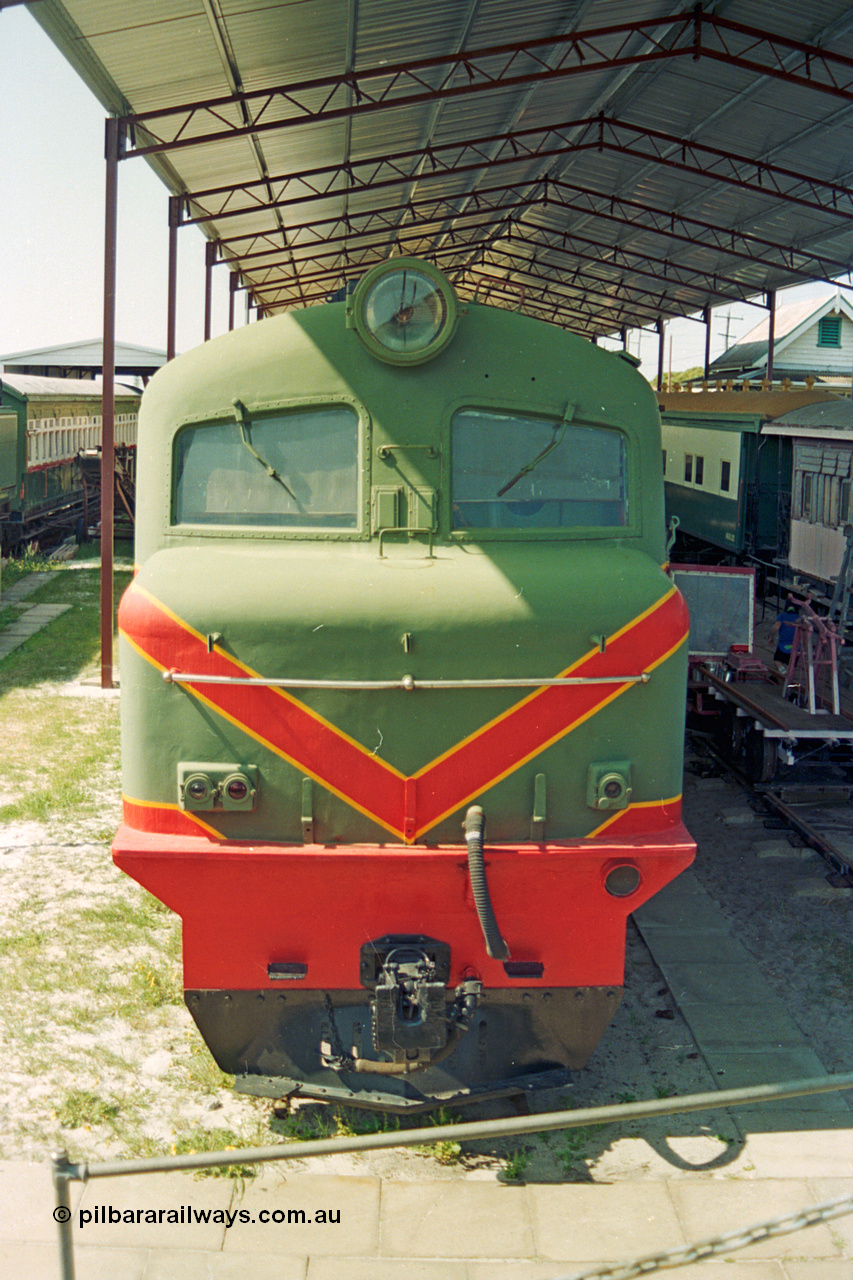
291, 471
725, 476
806, 504
699, 476
688, 467
513, 472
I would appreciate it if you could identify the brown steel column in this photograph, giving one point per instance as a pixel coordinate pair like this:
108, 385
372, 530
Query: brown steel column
706, 316
771, 335
174, 223
661, 329
209, 263
233, 286
114, 138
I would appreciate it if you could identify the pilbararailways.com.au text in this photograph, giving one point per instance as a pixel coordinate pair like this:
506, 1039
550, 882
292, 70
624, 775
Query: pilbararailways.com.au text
108, 1215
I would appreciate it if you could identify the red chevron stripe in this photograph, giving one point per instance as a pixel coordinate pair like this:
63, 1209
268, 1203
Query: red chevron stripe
408, 807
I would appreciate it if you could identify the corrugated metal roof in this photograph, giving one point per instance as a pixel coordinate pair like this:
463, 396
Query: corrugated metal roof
638, 164
832, 416
34, 387
87, 354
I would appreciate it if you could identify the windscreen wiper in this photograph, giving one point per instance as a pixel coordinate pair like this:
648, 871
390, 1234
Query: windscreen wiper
243, 424
559, 432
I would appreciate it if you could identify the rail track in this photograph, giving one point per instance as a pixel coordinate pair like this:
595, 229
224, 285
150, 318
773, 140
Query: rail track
813, 801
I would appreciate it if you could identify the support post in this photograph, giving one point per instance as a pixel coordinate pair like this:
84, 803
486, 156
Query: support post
174, 223
624, 337
62, 1213
706, 316
233, 286
209, 263
113, 149
771, 334
661, 332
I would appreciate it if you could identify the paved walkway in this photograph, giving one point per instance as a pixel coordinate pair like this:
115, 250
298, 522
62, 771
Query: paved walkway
391, 1230
35, 617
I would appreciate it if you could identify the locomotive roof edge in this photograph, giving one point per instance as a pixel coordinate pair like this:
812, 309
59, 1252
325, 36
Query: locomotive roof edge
263, 340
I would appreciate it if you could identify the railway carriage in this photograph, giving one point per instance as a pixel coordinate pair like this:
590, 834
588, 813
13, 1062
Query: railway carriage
44, 424
820, 438
403, 685
726, 479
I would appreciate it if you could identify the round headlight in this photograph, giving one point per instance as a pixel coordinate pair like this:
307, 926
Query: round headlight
405, 311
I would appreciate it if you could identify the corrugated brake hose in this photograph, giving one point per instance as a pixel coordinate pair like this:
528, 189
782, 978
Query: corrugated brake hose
474, 824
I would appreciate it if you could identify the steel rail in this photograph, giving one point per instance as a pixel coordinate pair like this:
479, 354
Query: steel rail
406, 682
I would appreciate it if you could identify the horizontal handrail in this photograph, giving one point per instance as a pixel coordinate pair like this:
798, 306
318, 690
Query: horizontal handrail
404, 682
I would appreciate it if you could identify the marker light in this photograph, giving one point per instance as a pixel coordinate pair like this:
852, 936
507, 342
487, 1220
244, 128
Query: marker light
623, 880
405, 311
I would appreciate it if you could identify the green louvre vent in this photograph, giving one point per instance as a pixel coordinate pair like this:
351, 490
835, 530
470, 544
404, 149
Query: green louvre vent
829, 331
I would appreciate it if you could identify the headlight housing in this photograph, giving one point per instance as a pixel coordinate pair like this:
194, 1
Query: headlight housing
405, 311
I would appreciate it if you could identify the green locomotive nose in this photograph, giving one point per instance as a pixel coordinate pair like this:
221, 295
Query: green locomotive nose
403, 686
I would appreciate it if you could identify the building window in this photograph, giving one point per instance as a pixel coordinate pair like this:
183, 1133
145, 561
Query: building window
699, 474
829, 331
688, 468
725, 476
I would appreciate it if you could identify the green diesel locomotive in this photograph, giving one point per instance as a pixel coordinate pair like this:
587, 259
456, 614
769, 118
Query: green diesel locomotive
403, 685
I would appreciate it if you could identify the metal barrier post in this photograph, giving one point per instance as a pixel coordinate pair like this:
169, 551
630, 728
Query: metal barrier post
63, 1172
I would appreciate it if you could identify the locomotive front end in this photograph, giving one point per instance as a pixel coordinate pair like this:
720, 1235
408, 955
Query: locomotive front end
403, 689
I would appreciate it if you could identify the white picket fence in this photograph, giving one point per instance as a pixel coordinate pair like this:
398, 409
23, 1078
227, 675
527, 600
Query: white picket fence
54, 440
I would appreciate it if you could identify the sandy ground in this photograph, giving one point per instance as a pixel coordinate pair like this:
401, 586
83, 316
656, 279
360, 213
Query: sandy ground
94, 1060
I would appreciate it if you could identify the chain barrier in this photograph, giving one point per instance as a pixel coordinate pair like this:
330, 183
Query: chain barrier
722, 1244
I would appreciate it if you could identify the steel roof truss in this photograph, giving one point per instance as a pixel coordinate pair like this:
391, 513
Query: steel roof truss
598, 133
693, 35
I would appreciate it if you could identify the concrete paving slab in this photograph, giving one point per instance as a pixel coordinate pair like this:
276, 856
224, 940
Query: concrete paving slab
710, 1270
399, 1269
784, 1144
23, 587
41, 1262
699, 946
37, 617
134, 1212
745, 1025
455, 1219
824, 1189
729, 984
690, 912
27, 1201
719, 1208
285, 1219
241, 1266
814, 1270
170, 1264
594, 1223
740, 1069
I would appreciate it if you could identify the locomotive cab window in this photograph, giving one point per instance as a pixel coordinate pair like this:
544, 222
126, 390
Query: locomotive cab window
515, 472
296, 470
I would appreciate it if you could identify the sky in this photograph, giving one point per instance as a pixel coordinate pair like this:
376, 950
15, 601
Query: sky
52, 228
